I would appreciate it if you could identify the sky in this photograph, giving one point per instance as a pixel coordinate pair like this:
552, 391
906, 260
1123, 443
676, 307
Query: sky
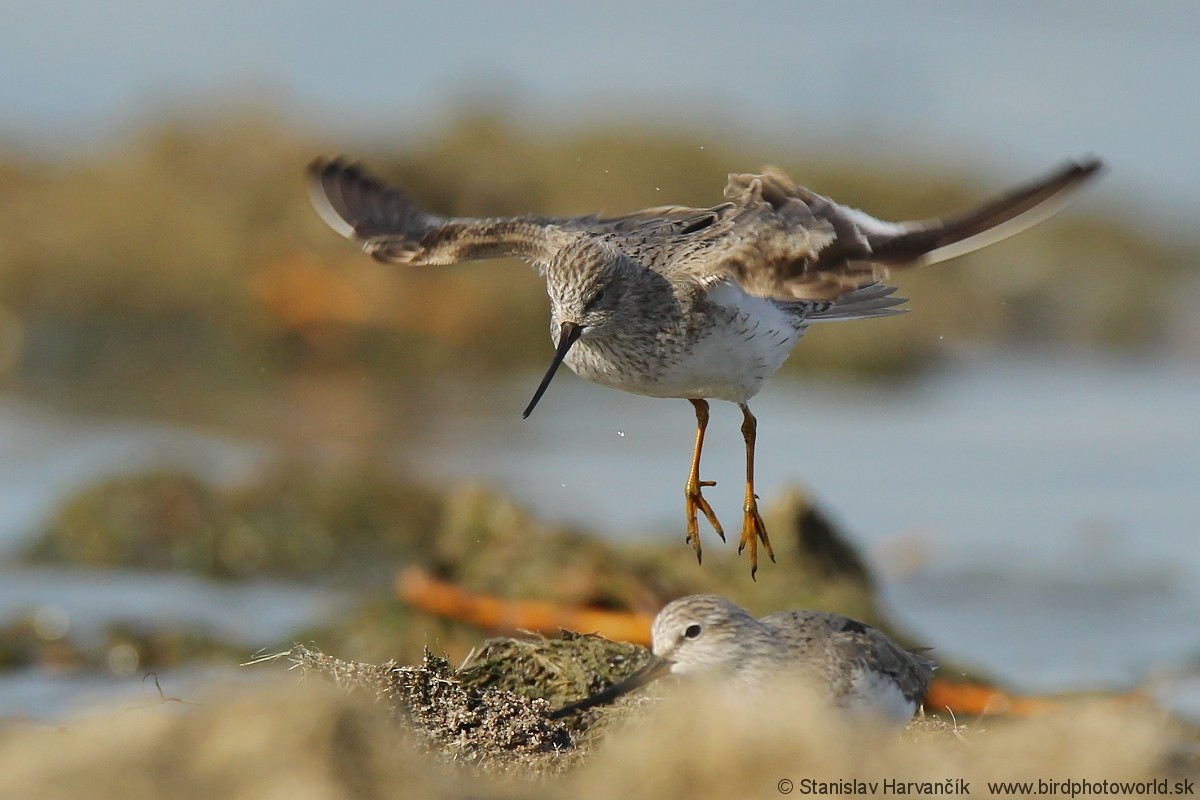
1002, 89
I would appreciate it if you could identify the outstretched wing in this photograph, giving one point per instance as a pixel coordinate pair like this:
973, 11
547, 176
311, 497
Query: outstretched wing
774, 238
780, 240
392, 228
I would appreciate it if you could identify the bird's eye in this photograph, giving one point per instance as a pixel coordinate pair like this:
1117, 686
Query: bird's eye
596, 300
692, 631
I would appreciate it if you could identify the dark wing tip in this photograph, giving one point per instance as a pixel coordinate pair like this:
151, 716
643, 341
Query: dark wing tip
1077, 171
322, 165
1012, 212
326, 178
1090, 165
1071, 175
358, 205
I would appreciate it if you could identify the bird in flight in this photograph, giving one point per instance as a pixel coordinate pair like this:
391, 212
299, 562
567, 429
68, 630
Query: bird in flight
691, 303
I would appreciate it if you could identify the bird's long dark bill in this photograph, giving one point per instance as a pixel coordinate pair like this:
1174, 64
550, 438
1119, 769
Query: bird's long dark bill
567, 336
653, 670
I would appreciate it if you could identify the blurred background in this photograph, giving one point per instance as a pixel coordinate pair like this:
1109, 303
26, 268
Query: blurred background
222, 426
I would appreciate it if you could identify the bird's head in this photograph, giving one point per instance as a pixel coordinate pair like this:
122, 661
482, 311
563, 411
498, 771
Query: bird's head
704, 633
588, 281
596, 290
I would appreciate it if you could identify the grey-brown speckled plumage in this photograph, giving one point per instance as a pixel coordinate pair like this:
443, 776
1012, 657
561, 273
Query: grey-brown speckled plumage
696, 303
856, 666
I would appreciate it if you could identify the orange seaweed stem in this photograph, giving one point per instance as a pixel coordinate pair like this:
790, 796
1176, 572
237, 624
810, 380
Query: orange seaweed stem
977, 699
443, 599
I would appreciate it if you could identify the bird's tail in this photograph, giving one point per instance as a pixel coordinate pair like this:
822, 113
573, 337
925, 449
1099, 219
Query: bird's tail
872, 300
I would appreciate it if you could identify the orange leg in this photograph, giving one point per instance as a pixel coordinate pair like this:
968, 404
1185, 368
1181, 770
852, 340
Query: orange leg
693, 500
753, 529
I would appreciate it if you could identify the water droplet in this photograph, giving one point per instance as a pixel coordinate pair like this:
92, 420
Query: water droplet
51, 622
123, 659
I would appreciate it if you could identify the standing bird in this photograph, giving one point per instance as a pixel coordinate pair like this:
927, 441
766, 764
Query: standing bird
857, 667
694, 303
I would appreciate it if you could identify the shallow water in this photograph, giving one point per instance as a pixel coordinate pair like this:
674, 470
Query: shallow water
45, 456
1032, 517
45, 696
83, 602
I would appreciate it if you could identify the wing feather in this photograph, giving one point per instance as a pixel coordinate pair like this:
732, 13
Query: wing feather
393, 228
772, 237
789, 243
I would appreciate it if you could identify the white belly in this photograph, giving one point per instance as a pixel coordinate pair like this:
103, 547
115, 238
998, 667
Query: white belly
726, 361
732, 362
878, 696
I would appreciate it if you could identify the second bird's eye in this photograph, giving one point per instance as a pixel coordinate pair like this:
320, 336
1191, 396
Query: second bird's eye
692, 631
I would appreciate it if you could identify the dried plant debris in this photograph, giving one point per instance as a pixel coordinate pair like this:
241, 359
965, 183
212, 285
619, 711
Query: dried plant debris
490, 729
560, 671
492, 713
557, 670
